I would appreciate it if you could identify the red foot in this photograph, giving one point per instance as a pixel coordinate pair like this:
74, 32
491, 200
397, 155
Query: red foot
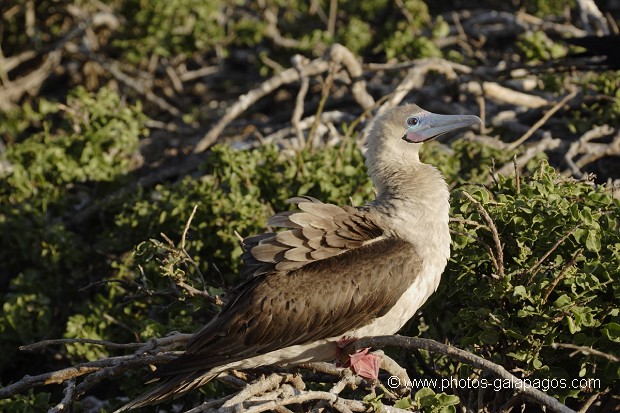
363, 364
366, 364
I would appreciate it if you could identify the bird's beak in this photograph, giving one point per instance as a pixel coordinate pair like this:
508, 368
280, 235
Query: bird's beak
432, 125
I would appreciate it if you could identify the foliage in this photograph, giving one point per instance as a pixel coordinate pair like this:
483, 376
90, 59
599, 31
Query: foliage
537, 47
90, 139
545, 8
430, 402
600, 111
561, 254
168, 28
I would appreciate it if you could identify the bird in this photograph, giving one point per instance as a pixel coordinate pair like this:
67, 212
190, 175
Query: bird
334, 273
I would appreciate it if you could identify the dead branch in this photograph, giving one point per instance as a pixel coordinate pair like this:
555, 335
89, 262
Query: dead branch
104, 343
262, 386
274, 34
29, 83
325, 118
64, 404
505, 95
121, 363
298, 112
416, 76
473, 360
542, 120
586, 350
343, 56
546, 144
591, 16
534, 269
288, 76
276, 390
561, 275
143, 356
337, 54
591, 151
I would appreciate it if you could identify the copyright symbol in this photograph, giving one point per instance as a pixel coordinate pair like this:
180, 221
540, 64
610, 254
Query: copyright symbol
393, 382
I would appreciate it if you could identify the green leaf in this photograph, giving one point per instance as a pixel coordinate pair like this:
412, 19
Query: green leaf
593, 241
404, 403
612, 332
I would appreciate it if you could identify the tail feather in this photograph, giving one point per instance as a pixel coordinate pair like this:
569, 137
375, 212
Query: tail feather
171, 388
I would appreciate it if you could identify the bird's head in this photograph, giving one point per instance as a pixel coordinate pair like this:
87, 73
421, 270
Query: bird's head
395, 138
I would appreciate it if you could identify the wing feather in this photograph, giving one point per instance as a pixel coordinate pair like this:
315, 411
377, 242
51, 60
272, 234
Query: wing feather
315, 232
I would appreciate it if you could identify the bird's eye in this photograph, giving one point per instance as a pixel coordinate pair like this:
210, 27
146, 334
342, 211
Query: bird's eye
412, 121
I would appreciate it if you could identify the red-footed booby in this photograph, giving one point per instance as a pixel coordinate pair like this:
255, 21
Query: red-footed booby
335, 273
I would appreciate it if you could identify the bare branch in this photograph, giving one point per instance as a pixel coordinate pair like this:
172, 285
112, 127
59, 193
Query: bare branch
542, 120
66, 401
108, 344
299, 101
560, 276
59, 376
288, 76
502, 94
586, 350
499, 249
410, 343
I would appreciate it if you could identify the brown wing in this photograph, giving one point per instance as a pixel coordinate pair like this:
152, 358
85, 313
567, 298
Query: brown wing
323, 299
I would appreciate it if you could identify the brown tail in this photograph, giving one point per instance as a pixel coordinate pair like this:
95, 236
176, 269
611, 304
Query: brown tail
171, 388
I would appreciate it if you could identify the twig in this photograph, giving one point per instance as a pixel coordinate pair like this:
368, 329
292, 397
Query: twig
590, 13
108, 344
299, 101
586, 405
288, 76
394, 369
59, 376
536, 267
542, 120
30, 82
333, 12
272, 31
517, 177
186, 229
64, 404
498, 244
416, 76
327, 85
266, 384
336, 54
561, 275
586, 350
326, 117
591, 151
502, 94
546, 144
343, 56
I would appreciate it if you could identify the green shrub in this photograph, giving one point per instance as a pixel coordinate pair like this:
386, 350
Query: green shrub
560, 284
73, 153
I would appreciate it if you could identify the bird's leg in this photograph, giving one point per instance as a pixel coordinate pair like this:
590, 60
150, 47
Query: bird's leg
362, 362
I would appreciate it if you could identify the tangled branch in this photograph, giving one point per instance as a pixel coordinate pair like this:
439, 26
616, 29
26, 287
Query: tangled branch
276, 390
